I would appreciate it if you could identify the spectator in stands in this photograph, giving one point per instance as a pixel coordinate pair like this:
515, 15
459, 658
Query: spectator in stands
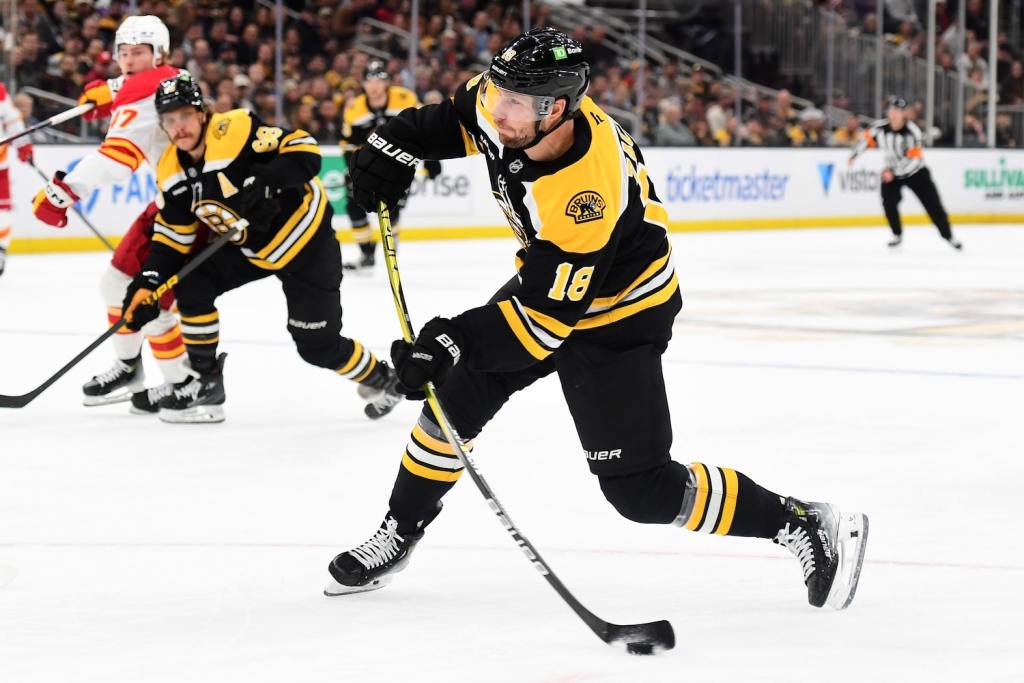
753, 134
1012, 89
24, 103
848, 134
1005, 135
784, 111
810, 130
671, 131
702, 134
974, 132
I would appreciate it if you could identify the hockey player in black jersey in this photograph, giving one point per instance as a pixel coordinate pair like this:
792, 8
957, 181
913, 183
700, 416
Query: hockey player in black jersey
379, 103
901, 141
232, 171
593, 302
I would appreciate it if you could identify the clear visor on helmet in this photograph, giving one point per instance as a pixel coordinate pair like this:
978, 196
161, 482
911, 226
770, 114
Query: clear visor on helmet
514, 107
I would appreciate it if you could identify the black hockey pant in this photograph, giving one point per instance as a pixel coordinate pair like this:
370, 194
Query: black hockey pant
922, 185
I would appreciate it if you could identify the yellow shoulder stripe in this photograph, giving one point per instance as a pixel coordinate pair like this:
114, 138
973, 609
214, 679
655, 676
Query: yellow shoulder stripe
227, 134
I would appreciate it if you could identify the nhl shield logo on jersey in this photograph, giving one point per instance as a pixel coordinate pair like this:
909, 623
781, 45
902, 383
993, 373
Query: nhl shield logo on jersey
585, 206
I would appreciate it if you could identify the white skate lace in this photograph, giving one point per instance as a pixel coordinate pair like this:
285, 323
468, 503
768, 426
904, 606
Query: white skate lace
156, 393
381, 547
799, 543
114, 373
190, 390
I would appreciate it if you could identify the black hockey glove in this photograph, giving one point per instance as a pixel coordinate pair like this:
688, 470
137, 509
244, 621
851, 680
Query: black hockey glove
437, 348
141, 286
381, 170
259, 202
432, 167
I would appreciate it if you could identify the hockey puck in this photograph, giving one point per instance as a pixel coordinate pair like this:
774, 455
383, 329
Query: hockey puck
640, 648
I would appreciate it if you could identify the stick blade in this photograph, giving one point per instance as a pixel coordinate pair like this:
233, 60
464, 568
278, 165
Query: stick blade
649, 638
16, 401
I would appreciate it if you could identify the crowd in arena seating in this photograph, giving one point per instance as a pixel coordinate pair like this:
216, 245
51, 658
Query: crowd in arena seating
229, 46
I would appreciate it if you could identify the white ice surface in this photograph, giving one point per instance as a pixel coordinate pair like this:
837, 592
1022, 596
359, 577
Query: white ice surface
819, 363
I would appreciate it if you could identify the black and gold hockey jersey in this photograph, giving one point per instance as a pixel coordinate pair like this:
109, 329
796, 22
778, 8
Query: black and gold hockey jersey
594, 235
211, 191
360, 119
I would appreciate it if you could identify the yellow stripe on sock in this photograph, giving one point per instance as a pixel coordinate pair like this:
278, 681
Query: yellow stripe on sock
427, 473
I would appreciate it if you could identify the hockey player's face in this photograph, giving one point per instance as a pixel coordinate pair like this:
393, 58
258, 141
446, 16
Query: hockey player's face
375, 88
134, 59
183, 126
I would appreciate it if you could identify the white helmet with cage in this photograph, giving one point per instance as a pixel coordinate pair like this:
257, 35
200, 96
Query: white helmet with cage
145, 29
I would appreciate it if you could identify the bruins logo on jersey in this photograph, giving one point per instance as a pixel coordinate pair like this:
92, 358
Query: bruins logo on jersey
221, 219
221, 129
585, 206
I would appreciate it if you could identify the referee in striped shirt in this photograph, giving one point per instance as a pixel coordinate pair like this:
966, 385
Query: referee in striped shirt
901, 140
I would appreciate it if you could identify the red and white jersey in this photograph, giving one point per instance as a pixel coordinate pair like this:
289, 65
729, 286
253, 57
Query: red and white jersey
133, 136
10, 122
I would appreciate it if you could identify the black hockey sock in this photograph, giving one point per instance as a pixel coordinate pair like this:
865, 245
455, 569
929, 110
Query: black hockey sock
726, 502
429, 470
201, 333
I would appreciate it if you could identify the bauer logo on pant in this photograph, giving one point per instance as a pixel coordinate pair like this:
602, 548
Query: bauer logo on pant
585, 206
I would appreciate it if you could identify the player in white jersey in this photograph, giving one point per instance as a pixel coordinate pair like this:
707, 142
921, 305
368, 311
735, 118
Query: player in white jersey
142, 44
10, 122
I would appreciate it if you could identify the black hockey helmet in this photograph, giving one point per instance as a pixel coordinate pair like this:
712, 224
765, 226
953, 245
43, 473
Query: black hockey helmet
376, 70
545, 64
897, 102
177, 92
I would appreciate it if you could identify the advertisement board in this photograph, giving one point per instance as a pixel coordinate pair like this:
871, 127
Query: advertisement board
702, 189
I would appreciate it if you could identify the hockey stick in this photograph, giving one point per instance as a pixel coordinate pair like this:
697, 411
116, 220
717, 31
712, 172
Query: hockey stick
54, 120
24, 399
81, 215
644, 639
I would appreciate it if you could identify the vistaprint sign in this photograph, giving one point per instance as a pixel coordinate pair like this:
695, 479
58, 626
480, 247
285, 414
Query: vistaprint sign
839, 178
998, 181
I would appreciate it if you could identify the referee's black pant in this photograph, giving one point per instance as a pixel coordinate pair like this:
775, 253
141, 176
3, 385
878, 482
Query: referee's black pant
923, 186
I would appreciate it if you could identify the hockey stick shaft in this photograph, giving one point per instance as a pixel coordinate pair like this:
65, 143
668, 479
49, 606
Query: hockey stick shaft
81, 215
54, 120
24, 399
610, 633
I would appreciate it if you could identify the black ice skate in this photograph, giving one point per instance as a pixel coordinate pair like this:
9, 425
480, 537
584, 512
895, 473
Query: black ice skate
895, 241
148, 402
382, 394
830, 546
955, 244
199, 398
366, 262
117, 384
373, 564
3, 260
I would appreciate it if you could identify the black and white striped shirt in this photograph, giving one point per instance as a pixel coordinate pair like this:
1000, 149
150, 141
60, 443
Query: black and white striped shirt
902, 147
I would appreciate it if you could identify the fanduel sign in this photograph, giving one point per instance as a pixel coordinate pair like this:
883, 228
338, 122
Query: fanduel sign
849, 180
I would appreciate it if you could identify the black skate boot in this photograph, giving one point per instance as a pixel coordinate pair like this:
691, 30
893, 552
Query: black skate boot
380, 389
956, 244
148, 402
830, 546
199, 398
3, 260
117, 384
896, 241
367, 260
374, 564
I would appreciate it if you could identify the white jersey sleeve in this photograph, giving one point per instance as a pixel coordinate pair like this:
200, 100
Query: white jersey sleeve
133, 136
10, 119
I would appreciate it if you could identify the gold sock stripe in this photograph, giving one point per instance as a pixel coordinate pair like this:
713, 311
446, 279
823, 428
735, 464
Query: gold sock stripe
201, 319
370, 366
428, 473
714, 508
357, 354
732, 490
701, 503
427, 441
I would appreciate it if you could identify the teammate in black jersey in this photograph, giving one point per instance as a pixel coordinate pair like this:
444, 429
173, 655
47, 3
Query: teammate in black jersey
593, 302
901, 141
232, 171
380, 102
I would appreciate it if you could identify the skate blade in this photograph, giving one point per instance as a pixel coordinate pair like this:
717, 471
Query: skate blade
107, 399
853, 540
335, 589
195, 415
139, 411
